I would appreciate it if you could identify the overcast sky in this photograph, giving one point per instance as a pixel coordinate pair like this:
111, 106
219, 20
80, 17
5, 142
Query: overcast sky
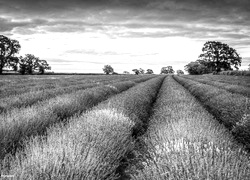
85, 35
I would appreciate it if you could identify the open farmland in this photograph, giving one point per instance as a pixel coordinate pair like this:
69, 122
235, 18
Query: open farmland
124, 127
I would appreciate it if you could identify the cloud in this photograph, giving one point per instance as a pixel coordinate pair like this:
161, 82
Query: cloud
200, 20
8, 24
119, 18
171, 8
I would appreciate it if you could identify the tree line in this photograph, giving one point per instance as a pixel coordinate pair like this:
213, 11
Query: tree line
108, 69
24, 65
215, 57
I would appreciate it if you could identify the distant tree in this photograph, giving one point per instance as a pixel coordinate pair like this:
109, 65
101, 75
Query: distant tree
125, 72
179, 72
43, 65
150, 71
141, 71
196, 68
108, 69
114, 73
30, 63
8, 48
217, 56
163, 70
136, 71
249, 67
167, 70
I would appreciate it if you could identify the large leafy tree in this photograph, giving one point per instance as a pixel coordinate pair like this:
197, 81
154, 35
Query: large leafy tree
108, 69
30, 63
8, 48
167, 70
43, 65
217, 56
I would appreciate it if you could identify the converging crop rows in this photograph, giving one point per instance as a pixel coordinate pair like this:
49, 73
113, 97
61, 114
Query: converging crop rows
90, 146
20, 123
234, 86
185, 141
127, 127
231, 109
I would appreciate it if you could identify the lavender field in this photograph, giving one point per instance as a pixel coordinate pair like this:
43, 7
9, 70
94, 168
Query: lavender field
125, 127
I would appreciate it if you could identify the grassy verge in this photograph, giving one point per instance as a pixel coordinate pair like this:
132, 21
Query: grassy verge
233, 110
185, 142
234, 88
17, 124
92, 145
